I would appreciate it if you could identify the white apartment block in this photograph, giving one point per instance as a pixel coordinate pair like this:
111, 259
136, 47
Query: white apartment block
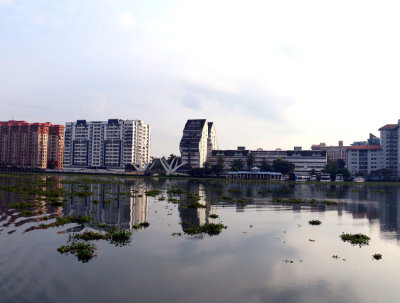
113, 143
364, 159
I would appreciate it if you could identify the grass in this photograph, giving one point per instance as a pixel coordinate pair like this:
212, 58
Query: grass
314, 222
83, 251
355, 239
210, 229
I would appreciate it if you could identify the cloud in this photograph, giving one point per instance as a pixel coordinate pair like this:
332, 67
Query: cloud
126, 20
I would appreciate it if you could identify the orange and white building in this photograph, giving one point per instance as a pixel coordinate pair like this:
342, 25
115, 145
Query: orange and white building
31, 145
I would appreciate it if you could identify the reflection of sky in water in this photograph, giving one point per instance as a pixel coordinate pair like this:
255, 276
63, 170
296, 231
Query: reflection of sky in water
242, 264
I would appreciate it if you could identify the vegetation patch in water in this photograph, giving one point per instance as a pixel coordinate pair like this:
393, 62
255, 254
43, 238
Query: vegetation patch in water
211, 229
83, 251
60, 221
314, 222
377, 256
89, 236
153, 193
213, 216
195, 205
356, 239
21, 205
119, 237
141, 225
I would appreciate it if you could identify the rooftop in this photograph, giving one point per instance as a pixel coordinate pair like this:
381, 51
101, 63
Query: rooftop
364, 147
389, 126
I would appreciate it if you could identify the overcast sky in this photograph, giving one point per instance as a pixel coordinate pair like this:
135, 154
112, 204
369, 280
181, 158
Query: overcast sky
269, 74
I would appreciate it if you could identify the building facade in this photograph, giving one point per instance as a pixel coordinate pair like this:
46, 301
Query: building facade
111, 144
390, 147
363, 159
198, 140
333, 152
305, 161
31, 145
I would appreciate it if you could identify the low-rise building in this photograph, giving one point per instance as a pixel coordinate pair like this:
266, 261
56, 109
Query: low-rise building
363, 159
228, 156
333, 152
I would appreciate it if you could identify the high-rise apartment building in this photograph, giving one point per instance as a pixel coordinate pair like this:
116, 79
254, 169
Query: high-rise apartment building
31, 145
198, 140
113, 143
390, 147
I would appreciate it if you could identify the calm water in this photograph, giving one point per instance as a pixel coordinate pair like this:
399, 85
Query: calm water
268, 253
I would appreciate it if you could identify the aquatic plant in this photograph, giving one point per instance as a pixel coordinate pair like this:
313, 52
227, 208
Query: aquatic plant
83, 251
377, 256
60, 221
153, 193
89, 236
211, 229
119, 237
176, 234
195, 205
355, 239
214, 216
22, 205
141, 225
314, 222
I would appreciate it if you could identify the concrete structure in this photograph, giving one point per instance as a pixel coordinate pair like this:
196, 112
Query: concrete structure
364, 159
198, 140
390, 147
304, 160
112, 144
31, 145
333, 152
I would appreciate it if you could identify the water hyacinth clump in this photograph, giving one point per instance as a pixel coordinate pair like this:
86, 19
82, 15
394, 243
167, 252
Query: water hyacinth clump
314, 222
119, 237
355, 239
210, 229
82, 250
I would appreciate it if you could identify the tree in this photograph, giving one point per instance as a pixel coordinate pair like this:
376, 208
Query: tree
265, 166
334, 167
171, 157
237, 165
220, 165
250, 161
282, 166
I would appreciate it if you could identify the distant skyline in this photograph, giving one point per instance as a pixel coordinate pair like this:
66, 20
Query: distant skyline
269, 74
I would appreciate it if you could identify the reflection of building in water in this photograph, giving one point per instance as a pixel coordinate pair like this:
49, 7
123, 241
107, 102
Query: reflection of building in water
196, 216
112, 204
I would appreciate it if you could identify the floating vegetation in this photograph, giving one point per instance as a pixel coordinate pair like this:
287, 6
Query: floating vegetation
244, 200
211, 229
335, 257
213, 216
173, 200
176, 234
83, 251
176, 191
311, 240
288, 261
162, 198
382, 191
301, 201
377, 256
141, 225
226, 198
355, 239
314, 222
195, 205
153, 193
28, 213
21, 205
95, 201
60, 221
89, 236
81, 194
119, 237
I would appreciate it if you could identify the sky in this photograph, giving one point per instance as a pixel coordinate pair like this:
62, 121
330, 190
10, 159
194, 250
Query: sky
269, 74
